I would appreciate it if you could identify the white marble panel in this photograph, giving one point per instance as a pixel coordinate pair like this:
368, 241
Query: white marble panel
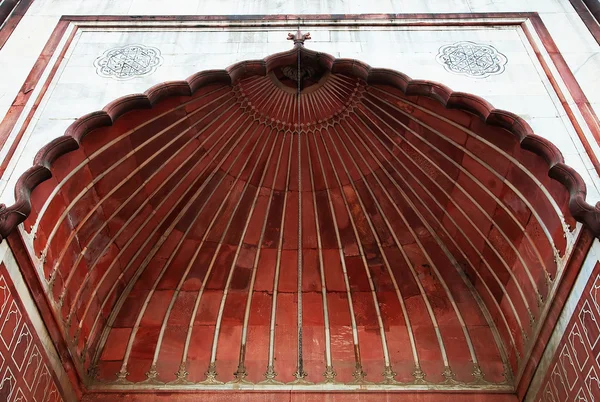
553, 129
433, 6
79, 90
541, 6
587, 69
529, 107
521, 88
18, 56
158, 7
78, 7
569, 33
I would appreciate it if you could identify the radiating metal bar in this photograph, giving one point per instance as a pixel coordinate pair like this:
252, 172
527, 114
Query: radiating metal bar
123, 372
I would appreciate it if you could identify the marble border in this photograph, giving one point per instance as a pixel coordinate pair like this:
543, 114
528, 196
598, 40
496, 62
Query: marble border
578, 109
43, 71
12, 20
590, 18
565, 85
30, 302
568, 307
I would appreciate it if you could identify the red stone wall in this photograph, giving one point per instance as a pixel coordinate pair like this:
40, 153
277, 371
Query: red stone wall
25, 373
574, 374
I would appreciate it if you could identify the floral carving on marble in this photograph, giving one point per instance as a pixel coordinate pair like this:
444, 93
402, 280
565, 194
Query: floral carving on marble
126, 62
472, 59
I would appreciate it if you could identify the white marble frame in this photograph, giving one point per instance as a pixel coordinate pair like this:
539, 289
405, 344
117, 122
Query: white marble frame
523, 25
76, 27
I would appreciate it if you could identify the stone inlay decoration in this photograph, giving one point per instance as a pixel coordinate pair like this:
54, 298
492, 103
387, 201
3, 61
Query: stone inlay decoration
574, 372
24, 368
472, 59
126, 62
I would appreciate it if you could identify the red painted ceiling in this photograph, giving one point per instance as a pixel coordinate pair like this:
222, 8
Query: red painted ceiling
211, 238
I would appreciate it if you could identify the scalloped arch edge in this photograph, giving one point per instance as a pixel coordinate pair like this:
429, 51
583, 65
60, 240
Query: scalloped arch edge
15, 214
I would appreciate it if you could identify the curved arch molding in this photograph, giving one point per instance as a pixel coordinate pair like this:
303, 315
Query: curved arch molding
402, 235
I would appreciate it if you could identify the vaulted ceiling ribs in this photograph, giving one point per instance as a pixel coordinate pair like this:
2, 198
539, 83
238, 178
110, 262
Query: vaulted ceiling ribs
384, 239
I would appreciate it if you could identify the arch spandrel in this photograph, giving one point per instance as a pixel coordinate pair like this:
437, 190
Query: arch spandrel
428, 227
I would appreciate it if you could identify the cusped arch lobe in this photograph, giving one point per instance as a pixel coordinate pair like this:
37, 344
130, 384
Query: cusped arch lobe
13, 215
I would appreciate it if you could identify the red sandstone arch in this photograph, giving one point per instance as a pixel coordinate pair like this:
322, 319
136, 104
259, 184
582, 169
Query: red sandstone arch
429, 222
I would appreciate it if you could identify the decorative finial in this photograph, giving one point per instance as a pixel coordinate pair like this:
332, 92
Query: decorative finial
299, 37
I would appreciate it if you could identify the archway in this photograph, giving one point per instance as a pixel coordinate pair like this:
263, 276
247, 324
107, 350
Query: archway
373, 232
